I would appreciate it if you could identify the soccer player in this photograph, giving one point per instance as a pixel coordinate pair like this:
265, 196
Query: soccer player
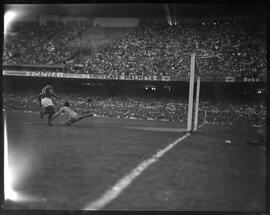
71, 115
46, 102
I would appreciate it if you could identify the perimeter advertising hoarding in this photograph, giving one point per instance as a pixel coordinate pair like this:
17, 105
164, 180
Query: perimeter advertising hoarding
86, 76
46, 74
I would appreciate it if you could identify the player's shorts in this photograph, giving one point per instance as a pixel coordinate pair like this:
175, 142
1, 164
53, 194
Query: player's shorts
45, 102
71, 120
49, 110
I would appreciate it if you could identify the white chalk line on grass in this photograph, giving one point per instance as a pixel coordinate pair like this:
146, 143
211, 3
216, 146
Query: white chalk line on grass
123, 183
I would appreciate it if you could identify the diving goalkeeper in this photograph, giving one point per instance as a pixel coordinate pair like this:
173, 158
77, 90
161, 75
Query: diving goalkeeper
71, 115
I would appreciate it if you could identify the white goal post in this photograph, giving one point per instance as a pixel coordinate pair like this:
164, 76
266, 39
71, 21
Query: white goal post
197, 103
192, 75
191, 90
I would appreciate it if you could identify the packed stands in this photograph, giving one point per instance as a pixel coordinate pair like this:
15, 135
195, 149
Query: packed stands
154, 48
37, 45
155, 108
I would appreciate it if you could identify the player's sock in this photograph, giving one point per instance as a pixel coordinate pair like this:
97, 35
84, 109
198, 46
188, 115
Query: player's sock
41, 114
84, 116
88, 114
50, 120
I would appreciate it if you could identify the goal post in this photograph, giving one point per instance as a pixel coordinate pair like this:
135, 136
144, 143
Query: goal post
191, 96
197, 103
191, 90
195, 73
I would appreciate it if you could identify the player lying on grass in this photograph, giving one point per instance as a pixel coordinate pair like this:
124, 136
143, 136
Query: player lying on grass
71, 115
46, 102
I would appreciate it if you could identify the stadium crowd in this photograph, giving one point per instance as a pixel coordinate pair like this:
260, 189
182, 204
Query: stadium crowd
39, 45
154, 48
157, 48
138, 107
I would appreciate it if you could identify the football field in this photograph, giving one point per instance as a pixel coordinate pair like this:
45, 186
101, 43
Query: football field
124, 164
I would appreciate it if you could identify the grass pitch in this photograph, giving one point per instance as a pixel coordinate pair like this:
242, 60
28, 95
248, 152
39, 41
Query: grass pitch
66, 168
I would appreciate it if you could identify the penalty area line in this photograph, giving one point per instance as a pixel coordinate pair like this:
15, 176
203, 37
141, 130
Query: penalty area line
123, 183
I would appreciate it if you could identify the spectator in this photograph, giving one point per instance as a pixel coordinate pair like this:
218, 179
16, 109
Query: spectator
170, 109
154, 48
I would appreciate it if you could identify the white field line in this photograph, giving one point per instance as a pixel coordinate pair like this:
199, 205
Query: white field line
123, 183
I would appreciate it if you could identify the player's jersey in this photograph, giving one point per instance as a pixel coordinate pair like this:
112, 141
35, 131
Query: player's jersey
45, 92
68, 112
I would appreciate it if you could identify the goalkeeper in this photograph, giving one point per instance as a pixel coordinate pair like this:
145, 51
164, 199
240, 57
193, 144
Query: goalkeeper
71, 115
